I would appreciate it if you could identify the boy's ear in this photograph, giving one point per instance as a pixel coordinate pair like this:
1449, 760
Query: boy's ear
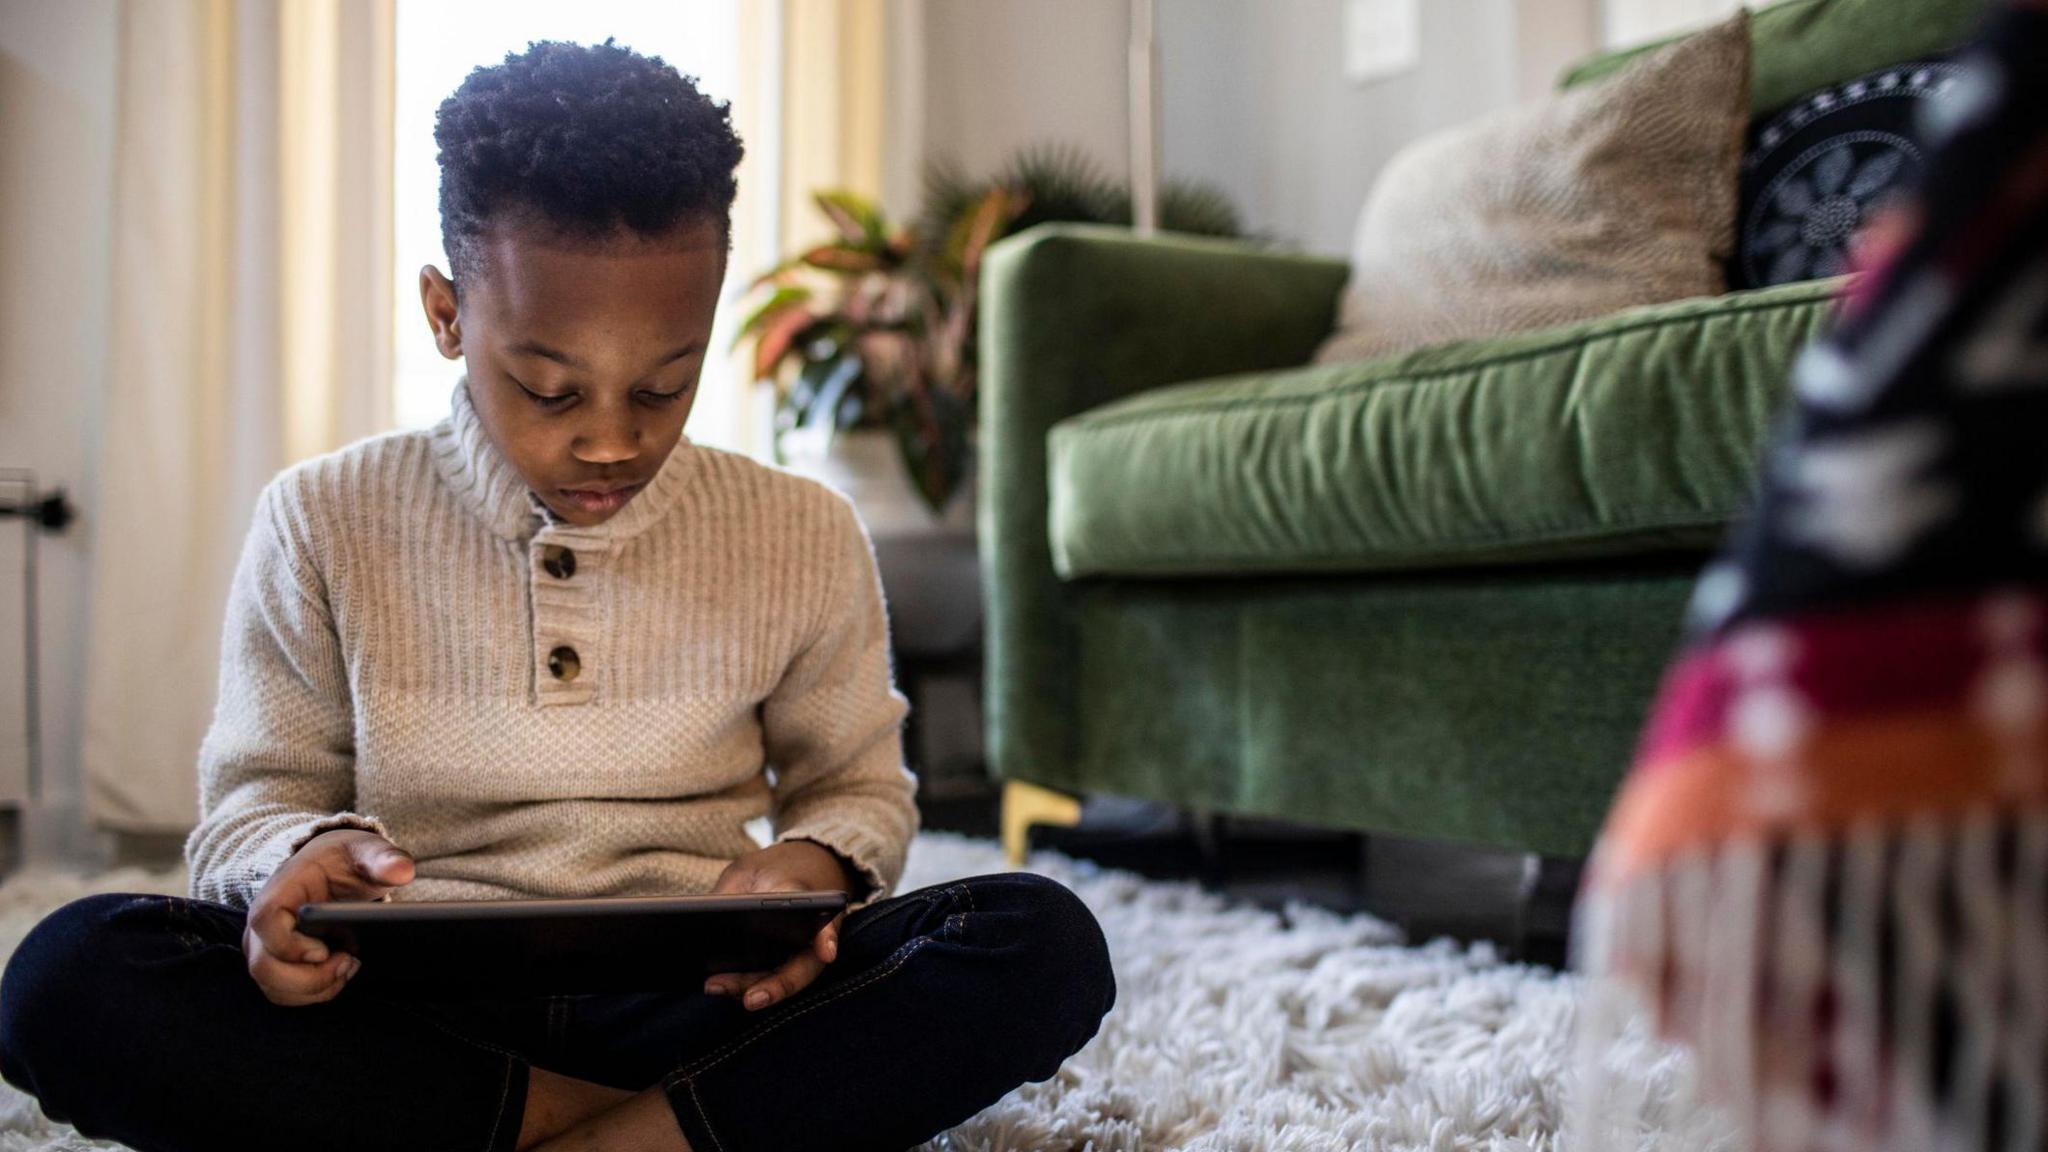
437, 297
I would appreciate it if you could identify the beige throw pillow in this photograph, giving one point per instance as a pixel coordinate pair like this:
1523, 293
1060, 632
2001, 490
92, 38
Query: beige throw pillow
1601, 198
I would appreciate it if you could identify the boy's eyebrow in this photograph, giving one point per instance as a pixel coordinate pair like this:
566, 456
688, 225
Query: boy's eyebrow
536, 348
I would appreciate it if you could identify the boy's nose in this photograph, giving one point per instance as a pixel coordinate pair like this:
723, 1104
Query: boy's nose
607, 442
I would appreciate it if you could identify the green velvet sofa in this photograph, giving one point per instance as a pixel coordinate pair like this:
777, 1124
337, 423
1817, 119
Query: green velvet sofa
1429, 595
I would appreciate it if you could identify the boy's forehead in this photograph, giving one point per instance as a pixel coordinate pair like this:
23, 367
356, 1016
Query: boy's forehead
535, 273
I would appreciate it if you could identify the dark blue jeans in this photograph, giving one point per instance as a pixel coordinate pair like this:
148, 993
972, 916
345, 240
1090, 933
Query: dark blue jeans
134, 1018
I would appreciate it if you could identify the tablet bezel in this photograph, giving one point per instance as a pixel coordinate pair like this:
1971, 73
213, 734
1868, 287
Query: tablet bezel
529, 908
518, 931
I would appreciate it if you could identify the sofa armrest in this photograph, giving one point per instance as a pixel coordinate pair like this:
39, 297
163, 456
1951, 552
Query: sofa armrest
1073, 316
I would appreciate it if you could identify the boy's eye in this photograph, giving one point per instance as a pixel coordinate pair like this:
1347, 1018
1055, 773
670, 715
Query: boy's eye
665, 397
546, 401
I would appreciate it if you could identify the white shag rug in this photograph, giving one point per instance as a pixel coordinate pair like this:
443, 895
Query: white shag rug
1235, 1029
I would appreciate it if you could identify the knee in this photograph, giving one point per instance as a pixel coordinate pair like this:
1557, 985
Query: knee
55, 975
1063, 955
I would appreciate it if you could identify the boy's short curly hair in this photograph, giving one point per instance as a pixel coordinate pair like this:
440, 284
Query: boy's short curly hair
586, 138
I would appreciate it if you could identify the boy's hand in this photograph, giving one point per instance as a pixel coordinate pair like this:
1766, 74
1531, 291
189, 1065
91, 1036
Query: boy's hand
790, 866
344, 864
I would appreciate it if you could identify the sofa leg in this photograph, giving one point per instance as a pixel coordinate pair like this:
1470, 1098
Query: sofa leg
1207, 828
1028, 804
1543, 912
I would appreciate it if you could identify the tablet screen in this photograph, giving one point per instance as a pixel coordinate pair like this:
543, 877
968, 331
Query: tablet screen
471, 948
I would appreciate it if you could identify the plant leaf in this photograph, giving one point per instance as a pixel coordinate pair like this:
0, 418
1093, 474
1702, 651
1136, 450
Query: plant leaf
784, 298
857, 218
842, 258
778, 339
777, 273
990, 219
1201, 209
931, 432
835, 381
806, 394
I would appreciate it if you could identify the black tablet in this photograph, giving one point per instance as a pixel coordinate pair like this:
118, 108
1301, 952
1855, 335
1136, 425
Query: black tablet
477, 948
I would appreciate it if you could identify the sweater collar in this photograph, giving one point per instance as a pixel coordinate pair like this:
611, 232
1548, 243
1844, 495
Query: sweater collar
492, 489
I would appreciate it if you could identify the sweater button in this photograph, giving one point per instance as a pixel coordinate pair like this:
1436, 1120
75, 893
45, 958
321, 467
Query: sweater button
564, 664
559, 561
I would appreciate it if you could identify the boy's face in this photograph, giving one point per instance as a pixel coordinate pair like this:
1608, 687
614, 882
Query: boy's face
583, 358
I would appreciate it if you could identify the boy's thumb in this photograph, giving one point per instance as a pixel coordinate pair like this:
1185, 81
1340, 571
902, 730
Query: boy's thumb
383, 863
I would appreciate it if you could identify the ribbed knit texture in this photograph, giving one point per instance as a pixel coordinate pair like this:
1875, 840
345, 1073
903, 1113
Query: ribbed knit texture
385, 665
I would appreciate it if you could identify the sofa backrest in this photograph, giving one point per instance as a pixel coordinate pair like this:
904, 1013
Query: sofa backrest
1799, 45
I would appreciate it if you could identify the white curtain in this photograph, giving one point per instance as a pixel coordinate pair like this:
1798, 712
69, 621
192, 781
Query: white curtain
830, 96
250, 328
834, 105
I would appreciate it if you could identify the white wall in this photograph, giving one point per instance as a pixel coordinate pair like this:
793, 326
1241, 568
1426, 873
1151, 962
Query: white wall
56, 178
1629, 22
1256, 102
1254, 94
1004, 74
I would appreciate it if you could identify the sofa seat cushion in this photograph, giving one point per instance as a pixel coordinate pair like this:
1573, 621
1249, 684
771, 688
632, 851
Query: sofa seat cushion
1635, 433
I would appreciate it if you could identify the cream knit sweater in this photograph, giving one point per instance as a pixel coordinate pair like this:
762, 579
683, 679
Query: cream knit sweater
397, 658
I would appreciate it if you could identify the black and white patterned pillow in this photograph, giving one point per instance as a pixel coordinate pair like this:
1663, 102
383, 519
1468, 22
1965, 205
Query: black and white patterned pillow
1816, 170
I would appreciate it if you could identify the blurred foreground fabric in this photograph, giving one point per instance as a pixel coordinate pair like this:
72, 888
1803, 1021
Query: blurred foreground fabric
1828, 870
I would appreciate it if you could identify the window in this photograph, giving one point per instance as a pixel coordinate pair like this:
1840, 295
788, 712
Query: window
438, 43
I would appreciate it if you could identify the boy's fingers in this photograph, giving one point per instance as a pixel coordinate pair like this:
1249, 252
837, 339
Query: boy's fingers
296, 984
737, 877
760, 989
277, 927
734, 983
826, 944
326, 980
303, 948
277, 939
274, 925
786, 981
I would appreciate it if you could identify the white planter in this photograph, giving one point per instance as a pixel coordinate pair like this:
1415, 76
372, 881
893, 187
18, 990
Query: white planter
866, 464
930, 572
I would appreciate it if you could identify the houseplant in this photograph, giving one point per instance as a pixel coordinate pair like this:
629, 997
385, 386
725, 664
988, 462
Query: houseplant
871, 331
870, 336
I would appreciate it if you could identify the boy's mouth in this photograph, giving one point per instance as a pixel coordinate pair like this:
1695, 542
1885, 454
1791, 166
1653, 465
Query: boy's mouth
599, 501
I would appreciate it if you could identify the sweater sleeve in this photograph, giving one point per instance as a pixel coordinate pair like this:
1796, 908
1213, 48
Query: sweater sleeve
277, 766
834, 725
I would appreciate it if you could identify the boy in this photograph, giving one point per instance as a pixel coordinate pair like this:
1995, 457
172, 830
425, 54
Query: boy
551, 648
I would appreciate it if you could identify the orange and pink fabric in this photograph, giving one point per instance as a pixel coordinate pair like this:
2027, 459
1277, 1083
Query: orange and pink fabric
1827, 873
